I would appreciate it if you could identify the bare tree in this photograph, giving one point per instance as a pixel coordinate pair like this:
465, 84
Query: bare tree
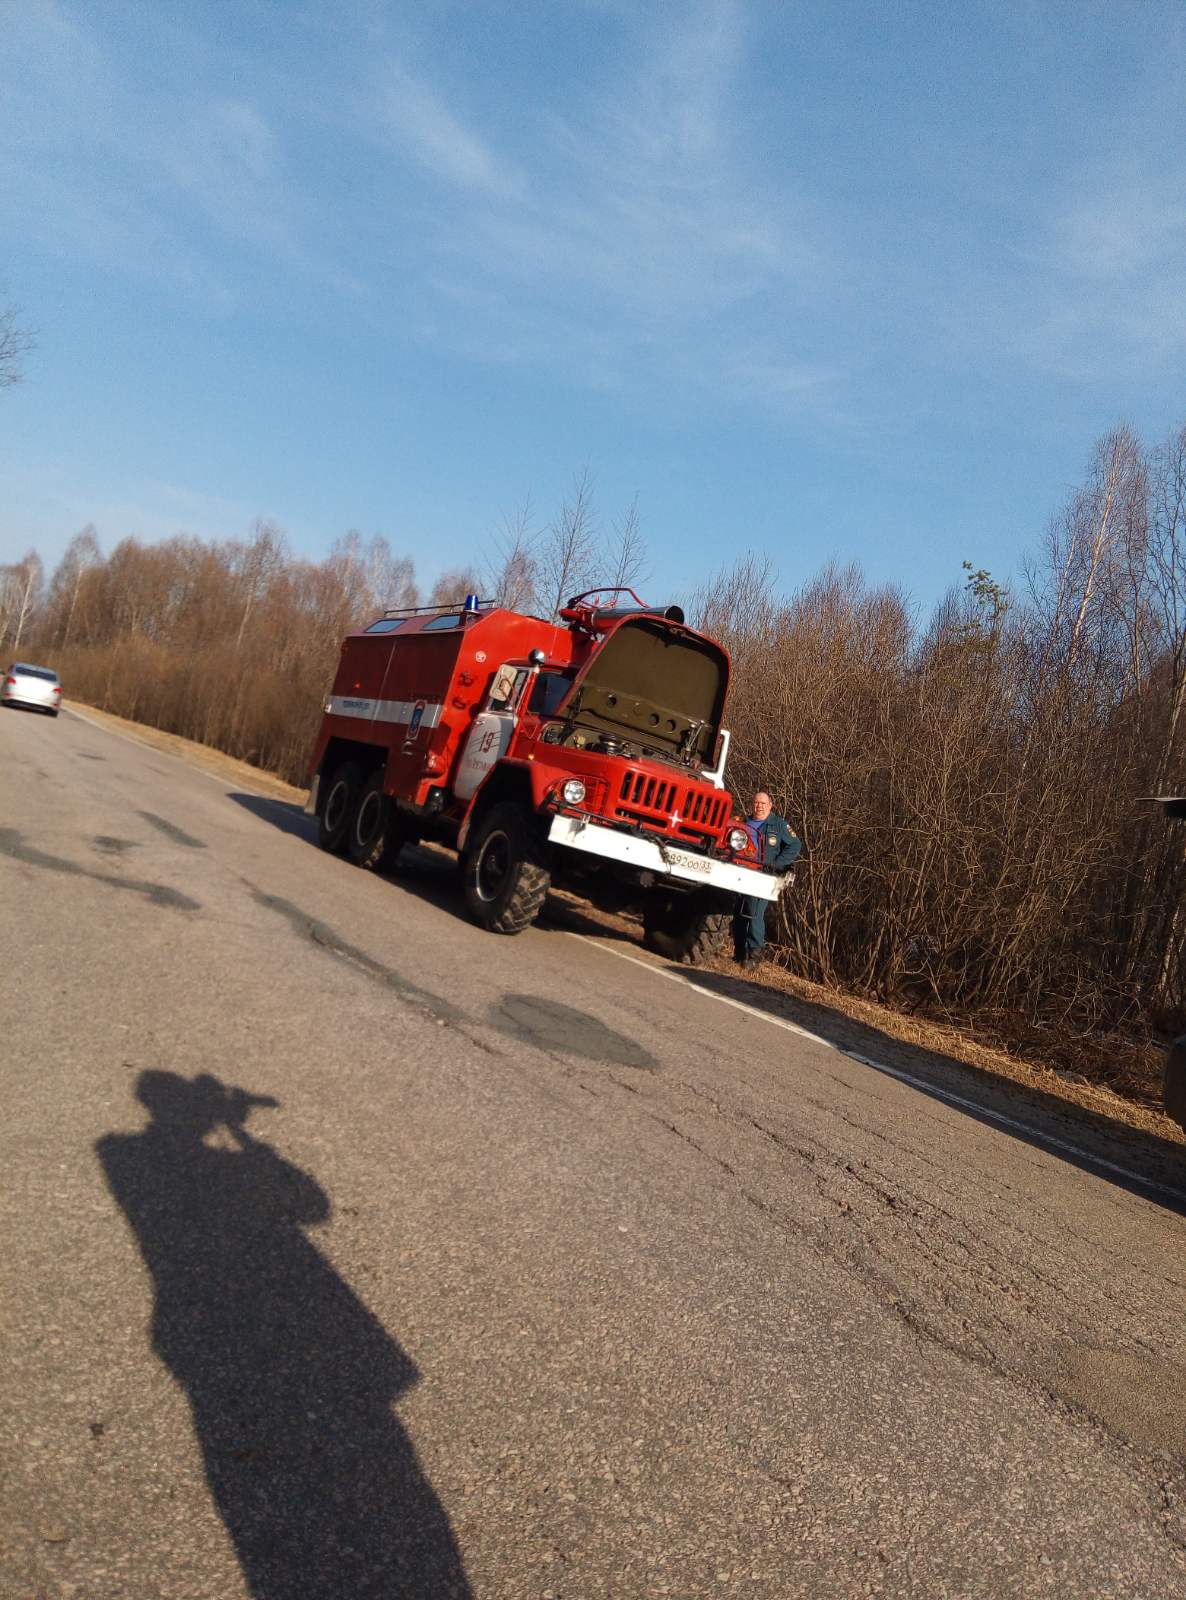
391, 578
511, 573
261, 559
82, 555
568, 552
20, 590
628, 552
453, 585
15, 344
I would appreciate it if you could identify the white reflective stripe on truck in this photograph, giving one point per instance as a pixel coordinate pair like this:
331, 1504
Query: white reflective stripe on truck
669, 861
402, 711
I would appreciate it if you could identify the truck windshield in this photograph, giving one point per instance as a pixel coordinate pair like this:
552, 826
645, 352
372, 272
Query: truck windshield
550, 688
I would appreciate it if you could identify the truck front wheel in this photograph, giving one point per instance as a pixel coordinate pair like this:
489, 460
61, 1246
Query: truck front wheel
683, 928
336, 807
506, 871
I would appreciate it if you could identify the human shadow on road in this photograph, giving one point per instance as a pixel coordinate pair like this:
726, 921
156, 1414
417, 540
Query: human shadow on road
289, 1377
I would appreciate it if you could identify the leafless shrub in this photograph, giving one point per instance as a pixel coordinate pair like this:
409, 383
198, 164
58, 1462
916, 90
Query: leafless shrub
16, 341
966, 790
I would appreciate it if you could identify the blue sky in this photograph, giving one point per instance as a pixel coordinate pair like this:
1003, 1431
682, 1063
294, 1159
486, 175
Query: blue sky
846, 280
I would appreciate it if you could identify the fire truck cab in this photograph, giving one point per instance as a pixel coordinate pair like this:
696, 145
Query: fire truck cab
586, 753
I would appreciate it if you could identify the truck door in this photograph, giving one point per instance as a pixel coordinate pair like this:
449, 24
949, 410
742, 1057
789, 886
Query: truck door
490, 736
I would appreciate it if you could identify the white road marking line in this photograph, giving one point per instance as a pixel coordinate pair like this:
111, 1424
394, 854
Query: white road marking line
1047, 1140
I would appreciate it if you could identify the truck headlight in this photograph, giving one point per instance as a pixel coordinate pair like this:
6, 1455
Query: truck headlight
737, 839
573, 791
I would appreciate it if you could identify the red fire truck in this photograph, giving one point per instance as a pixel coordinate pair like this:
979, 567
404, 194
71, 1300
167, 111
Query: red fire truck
586, 753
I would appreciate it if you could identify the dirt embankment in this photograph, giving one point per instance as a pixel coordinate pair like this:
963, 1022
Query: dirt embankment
1118, 1079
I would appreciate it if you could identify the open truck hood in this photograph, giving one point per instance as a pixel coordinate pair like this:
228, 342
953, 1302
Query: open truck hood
655, 684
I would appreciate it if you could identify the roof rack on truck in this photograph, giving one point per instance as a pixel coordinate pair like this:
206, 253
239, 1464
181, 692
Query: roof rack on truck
468, 604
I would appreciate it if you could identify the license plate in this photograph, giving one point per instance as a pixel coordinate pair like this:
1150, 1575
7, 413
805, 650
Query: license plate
677, 858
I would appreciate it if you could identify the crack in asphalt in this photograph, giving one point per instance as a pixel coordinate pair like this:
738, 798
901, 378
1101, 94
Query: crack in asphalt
325, 937
557, 1030
961, 1294
717, 1161
172, 831
13, 846
107, 844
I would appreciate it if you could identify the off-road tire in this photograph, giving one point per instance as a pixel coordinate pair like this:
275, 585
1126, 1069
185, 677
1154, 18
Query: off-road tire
337, 802
506, 870
683, 929
375, 837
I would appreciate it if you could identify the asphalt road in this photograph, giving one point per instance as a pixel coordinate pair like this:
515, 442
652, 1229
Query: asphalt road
548, 1273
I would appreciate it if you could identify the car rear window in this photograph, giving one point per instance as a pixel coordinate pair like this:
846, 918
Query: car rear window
36, 672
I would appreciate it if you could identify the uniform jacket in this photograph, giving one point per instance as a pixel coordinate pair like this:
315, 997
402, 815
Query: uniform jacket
777, 845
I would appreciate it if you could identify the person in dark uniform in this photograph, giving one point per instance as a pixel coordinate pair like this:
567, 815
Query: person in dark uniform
778, 848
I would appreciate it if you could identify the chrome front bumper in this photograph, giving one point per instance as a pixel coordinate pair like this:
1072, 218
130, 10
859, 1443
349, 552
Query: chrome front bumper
663, 859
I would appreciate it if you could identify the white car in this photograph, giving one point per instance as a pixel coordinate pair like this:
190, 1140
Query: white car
37, 687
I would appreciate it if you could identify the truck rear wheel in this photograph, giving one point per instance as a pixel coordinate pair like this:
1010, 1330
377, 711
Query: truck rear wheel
682, 928
375, 836
506, 872
336, 807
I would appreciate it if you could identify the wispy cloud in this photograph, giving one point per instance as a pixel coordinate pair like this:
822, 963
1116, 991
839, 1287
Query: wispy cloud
1098, 285
1125, 228
627, 223
609, 227
94, 162
420, 122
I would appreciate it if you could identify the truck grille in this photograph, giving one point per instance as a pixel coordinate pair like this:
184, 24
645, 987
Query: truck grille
652, 800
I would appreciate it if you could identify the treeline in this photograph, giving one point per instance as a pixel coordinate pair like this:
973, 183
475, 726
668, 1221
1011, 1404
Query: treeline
235, 643
966, 788
968, 791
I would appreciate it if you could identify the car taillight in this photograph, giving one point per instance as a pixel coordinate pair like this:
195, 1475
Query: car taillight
57, 688
12, 681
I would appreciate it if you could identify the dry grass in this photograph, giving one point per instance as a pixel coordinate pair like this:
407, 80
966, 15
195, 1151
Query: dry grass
198, 755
